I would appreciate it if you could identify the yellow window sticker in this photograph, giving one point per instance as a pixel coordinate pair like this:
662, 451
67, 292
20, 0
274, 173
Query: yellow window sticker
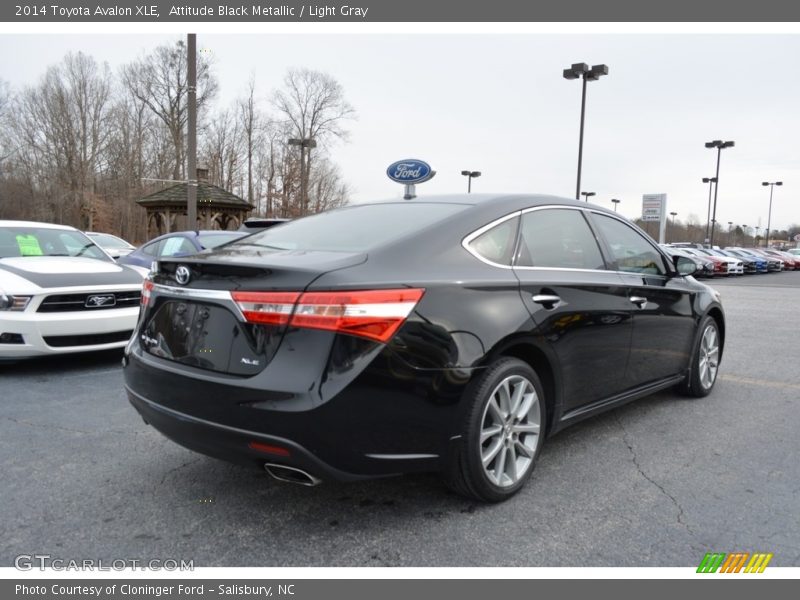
29, 245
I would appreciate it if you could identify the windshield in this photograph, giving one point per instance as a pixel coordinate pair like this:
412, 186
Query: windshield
353, 229
36, 241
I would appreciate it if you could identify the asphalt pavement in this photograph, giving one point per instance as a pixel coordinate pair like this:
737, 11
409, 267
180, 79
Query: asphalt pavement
659, 482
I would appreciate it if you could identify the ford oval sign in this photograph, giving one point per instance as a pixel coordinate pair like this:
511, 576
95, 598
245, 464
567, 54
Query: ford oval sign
409, 171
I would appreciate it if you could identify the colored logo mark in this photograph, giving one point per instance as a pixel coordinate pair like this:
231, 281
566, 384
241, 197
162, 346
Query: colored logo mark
735, 562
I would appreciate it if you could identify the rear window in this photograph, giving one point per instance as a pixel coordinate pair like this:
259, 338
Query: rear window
353, 229
217, 239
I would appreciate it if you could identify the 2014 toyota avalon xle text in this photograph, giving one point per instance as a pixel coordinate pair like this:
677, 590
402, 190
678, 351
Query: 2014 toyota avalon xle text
446, 334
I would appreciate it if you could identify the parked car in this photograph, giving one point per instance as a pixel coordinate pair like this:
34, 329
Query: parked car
760, 262
734, 265
178, 243
450, 334
720, 265
774, 264
113, 245
60, 293
794, 251
790, 262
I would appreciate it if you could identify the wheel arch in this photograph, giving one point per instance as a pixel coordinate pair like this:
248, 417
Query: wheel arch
540, 360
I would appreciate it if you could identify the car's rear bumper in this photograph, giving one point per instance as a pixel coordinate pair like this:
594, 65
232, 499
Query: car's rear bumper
233, 444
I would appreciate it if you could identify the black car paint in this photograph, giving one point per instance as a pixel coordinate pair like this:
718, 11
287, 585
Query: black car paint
351, 408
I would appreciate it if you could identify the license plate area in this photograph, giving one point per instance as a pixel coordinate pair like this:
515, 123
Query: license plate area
208, 336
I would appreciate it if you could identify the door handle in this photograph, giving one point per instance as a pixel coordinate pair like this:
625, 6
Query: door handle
549, 301
639, 301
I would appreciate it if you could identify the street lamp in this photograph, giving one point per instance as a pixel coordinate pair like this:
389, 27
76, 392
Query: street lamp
582, 71
470, 175
303, 143
720, 146
616, 201
673, 215
769, 217
587, 195
710, 181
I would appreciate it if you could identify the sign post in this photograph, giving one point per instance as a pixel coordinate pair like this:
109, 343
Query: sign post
654, 208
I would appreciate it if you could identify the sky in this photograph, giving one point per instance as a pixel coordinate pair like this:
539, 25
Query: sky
497, 103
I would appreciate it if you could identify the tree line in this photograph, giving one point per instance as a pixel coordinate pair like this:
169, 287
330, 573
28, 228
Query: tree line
83, 143
692, 230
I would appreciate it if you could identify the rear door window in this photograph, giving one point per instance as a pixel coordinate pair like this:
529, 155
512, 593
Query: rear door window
558, 238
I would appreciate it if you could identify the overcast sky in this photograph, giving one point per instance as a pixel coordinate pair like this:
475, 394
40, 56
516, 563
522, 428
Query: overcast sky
498, 104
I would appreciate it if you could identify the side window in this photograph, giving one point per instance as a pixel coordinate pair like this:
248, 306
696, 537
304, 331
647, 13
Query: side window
558, 238
631, 250
151, 249
497, 244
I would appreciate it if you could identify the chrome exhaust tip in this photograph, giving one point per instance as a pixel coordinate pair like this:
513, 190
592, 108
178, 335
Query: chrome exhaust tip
291, 475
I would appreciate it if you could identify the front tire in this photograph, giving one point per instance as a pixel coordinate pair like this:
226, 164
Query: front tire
705, 361
502, 432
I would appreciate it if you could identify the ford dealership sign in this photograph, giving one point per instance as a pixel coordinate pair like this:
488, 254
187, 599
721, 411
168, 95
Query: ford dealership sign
409, 171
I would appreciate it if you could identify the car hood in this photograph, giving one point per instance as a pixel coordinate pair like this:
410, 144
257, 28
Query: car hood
63, 271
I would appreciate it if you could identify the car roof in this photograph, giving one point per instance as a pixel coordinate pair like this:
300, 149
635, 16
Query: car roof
4, 223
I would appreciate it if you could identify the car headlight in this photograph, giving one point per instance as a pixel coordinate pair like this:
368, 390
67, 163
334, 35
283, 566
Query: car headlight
15, 303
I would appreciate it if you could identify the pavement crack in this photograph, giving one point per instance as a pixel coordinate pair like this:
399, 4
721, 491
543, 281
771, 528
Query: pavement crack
635, 460
178, 468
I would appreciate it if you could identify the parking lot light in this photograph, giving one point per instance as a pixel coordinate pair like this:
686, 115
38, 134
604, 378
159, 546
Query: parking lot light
587, 195
616, 202
720, 146
710, 181
582, 71
769, 216
673, 215
470, 175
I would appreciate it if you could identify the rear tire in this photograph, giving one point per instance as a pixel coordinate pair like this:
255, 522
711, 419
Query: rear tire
501, 434
705, 361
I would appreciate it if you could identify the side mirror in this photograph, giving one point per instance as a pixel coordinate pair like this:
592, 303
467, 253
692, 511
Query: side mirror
685, 266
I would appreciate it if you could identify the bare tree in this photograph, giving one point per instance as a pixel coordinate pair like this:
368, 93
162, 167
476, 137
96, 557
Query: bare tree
62, 124
159, 81
252, 123
314, 107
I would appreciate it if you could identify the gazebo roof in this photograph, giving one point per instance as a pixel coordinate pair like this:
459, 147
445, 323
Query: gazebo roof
207, 195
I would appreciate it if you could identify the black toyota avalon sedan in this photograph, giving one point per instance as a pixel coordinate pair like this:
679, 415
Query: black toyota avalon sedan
448, 334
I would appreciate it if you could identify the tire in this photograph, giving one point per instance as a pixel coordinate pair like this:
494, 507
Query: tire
509, 441
705, 361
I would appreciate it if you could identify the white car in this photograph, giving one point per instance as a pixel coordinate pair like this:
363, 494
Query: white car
60, 293
113, 245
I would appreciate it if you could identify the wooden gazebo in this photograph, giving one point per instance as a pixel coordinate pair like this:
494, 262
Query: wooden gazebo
216, 208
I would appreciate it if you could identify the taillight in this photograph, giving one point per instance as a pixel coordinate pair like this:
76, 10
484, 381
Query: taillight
372, 314
147, 287
266, 308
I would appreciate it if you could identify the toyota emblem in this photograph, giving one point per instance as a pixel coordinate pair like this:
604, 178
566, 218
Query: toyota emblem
182, 274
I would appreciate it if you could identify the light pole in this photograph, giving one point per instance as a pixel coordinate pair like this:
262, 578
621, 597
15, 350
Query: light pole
720, 146
616, 202
470, 175
769, 216
730, 227
587, 195
582, 71
673, 215
303, 143
710, 181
